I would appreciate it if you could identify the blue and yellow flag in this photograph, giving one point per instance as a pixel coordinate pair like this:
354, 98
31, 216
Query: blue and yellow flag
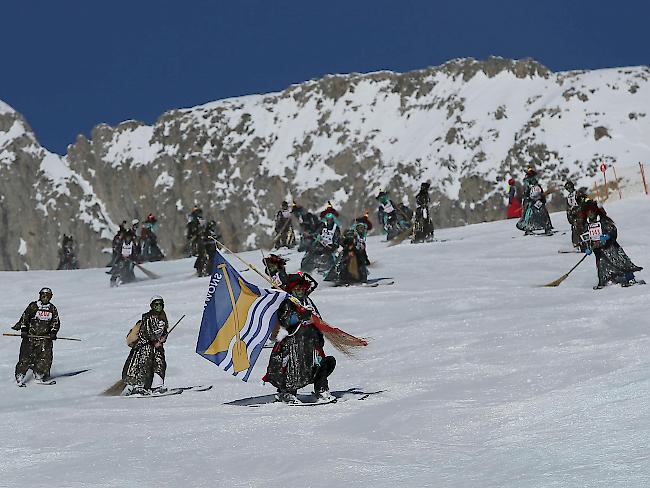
238, 318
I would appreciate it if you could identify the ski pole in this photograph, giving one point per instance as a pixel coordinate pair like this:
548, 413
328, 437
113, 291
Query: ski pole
31, 336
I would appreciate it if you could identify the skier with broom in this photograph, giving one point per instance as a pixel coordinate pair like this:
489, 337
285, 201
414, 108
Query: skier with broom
298, 358
144, 369
612, 263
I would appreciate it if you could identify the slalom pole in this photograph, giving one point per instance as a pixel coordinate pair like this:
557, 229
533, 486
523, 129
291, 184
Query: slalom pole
47, 338
566, 275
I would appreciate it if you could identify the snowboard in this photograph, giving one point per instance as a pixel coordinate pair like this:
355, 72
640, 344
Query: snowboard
306, 399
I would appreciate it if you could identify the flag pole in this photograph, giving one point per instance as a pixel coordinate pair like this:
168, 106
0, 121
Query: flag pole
340, 339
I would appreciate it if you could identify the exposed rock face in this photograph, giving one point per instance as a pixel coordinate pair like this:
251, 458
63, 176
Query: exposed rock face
465, 126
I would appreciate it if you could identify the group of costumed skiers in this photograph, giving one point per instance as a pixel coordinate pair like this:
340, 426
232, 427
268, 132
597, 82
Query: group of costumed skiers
592, 231
132, 246
340, 253
297, 358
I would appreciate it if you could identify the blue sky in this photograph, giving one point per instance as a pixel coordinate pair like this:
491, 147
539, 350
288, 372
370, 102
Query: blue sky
70, 65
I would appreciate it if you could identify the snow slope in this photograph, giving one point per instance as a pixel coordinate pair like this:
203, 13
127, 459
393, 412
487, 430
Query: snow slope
491, 380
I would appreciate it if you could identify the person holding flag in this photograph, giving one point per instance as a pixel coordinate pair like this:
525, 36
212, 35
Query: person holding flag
238, 318
298, 359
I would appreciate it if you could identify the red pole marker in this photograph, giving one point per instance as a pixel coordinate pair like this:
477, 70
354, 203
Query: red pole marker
603, 168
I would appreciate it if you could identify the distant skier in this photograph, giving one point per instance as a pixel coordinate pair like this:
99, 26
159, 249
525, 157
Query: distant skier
309, 225
423, 225
612, 263
350, 266
117, 244
284, 235
40, 320
67, 257
322, 252
207, 248
575, 200
193, 231
298, 358
123, 269
514, 205
275, 267
394, 218
144, 369
362, 226
535, 216
149, 241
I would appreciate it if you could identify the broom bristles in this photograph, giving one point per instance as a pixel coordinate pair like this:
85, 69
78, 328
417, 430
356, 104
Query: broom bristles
116, 389
340, 340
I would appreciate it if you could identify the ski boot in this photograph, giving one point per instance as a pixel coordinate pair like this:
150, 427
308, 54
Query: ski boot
287, 397
324, 396
20, 380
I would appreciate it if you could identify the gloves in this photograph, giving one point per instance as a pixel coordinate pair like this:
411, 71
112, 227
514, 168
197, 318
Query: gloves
604, 237
588, 251
53, 335
293, 319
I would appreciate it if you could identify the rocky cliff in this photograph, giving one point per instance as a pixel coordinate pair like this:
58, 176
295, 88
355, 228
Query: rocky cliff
464, 126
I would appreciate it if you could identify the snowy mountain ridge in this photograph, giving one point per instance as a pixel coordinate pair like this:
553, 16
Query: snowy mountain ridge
465, 126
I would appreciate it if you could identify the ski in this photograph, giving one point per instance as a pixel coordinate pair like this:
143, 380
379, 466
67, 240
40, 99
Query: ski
306, 399
45, 382
195, 388
69, 373
170, 392
567, 251
303, 403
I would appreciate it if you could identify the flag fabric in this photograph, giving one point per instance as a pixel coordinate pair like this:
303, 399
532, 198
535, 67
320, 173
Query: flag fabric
238, 318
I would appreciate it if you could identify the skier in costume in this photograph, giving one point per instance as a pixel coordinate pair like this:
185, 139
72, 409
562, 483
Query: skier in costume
67, 258
40, 318
117, 244
362, 226
423, 225
144, 369
535, 216
274, 266
137, 242
123, 269
514, 204
573, 211
350, 266
309, 225
193, 231
207, 249
298, 359
284, 236
612, 263
322, 252
149, 241
395, 219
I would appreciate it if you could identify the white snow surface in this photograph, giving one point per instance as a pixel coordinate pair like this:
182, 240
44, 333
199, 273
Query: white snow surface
491, 380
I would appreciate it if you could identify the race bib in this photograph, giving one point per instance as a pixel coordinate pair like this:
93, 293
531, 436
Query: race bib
571, 200
127, 250
276, 280
538, 204
536, 192
388, 208
327, 236
595, 231
44, 315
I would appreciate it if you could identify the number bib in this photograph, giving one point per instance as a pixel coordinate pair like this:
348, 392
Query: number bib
127, 250
44, 315
536, 192
327, 236
571, 200
388, 208
595, 231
